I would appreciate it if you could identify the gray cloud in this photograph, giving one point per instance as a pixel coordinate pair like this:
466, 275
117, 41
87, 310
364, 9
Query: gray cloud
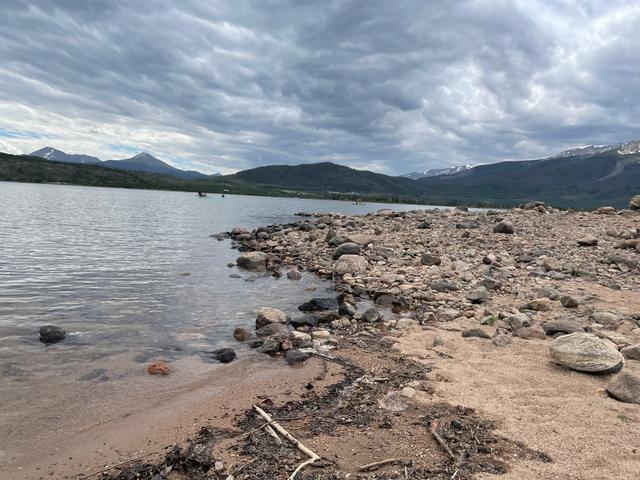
390, 86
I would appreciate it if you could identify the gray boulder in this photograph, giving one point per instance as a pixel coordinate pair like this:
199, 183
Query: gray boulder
632, 352
268, 315
585, 352
625, 387
430, 259
348, 248
353, 264
252, 260
52, 334
476, 332
273, 329
634, 203
371, 315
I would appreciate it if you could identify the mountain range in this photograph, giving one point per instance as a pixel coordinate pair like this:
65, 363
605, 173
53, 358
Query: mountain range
585, 177
142, 162
436, 172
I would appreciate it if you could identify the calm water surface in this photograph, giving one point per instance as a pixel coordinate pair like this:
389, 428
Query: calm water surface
131, 271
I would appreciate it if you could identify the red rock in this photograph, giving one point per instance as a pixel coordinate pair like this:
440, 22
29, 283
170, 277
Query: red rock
159, 367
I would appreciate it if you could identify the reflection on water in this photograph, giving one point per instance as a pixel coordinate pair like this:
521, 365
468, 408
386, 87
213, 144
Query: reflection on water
130, 271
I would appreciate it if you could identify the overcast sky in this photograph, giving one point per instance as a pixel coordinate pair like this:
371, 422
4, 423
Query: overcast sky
391, 86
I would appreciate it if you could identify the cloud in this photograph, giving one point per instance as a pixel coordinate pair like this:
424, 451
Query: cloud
390, 86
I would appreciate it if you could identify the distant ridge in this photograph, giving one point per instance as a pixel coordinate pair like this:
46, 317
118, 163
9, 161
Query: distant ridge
436, 172
142, 162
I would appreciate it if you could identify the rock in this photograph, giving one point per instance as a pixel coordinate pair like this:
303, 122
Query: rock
502, 340
476, 332
478, 295
423, 225
159, 367
517, 321
447, 314
529, 333
51, 334
562, 326
316, 304
348, 248
625, 387
438, 341
551, 265
239, 231
252, 260
430, 259
588, 241
394, 401
224, 355
272, 329
504, 226
405, 323
605, 211
371, 315
539, 305
294, 274
585, 352
632, 352
634, 203
567, 301
362, 240
295, 356
444, 286
340, 323
346, 309
336, 240
242, 334
268, 315
352, 264
605, 318
270, 345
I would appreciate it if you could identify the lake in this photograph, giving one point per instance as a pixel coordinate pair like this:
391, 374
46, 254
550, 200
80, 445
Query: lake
131, 275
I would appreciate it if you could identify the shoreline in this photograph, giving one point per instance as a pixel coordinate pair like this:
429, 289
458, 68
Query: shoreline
381, 388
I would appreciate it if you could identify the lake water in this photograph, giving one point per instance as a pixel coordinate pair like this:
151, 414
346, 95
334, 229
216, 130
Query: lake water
131, 275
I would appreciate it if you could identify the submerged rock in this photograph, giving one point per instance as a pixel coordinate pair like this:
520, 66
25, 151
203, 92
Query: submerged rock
224, 355
242, 334
52, 334
319, 303
585, 352
159, 367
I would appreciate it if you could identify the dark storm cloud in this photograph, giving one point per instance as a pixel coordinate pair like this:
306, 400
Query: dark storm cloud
392, 86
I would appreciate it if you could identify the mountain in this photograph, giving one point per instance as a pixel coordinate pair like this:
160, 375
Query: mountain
581, 180
326, 177
628, 148
436, 172
60, 156
142, 162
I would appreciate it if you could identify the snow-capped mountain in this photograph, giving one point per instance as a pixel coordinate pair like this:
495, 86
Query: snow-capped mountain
437, 172
143, 162
628, 148
52, 154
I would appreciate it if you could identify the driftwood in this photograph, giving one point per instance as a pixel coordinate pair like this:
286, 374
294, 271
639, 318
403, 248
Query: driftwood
441, 442
300, 446
381, 463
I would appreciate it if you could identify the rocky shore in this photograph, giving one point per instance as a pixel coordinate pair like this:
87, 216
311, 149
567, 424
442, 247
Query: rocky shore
464, 345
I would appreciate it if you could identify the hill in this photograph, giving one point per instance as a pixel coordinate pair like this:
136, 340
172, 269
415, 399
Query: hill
326, 177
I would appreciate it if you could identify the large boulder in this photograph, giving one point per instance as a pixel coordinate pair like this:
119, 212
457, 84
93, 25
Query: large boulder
634, 203
348, 248
268, 315
586, 352
51, 334
632, 352
353, 264
252, 260
625, 387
